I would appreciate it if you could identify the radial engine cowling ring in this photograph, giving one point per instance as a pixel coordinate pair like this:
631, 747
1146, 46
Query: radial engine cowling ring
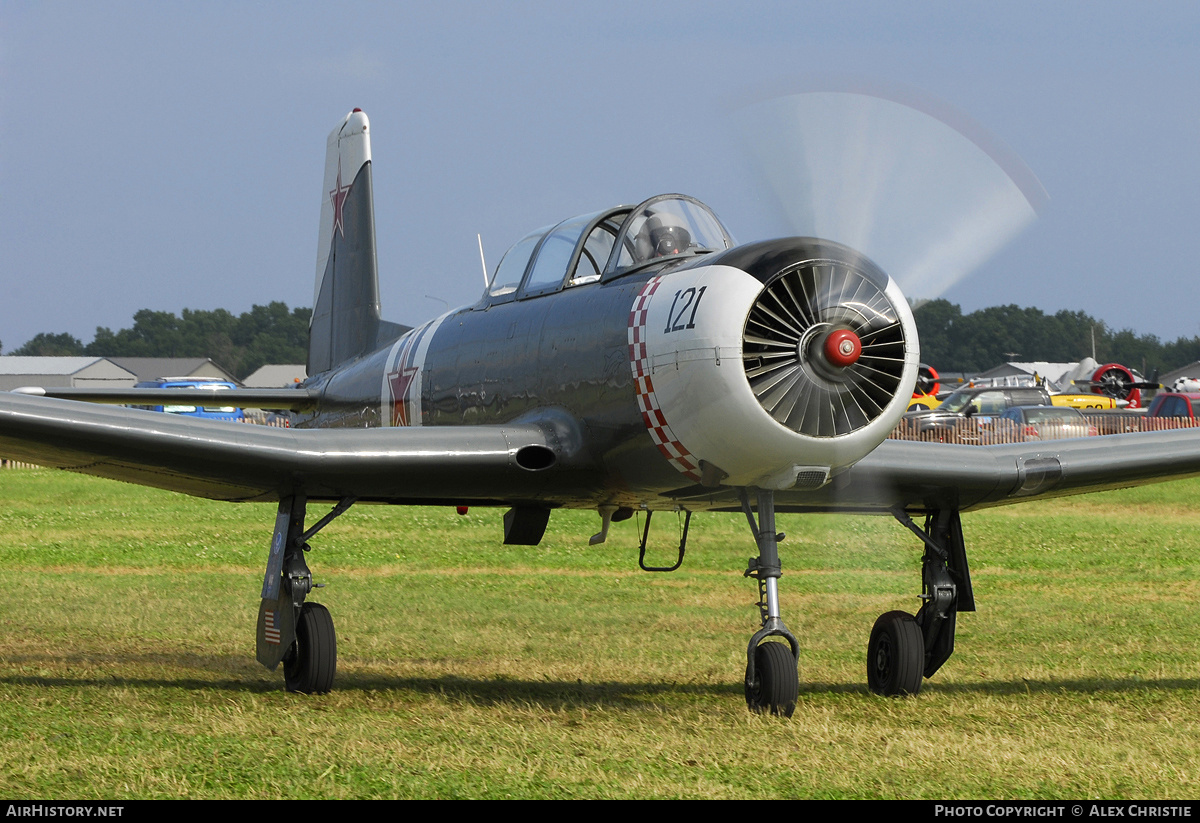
800, 347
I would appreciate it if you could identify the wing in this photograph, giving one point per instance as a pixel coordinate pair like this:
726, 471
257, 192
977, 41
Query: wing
507, 463
930, 476
232, 461
293, 399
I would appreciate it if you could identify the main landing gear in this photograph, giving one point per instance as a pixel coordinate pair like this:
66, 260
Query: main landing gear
903, 648
291, 631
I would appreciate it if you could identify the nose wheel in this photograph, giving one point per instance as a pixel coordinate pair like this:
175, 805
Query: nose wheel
773, 684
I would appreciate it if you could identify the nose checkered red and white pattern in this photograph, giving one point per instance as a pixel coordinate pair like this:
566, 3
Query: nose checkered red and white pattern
639, 361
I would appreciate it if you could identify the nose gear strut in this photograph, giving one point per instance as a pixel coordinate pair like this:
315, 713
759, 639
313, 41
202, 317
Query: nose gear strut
772, 682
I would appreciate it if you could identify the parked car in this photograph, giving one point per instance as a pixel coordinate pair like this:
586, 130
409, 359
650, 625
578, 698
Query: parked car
1175, 404
208, 411
1040, 423
981, 405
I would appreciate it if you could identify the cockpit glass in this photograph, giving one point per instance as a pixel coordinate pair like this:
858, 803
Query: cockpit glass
667, 226
580, 250
512, 265
555, 254
595, 252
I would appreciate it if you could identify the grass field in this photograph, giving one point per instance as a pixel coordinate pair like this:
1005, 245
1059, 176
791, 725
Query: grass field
470, 669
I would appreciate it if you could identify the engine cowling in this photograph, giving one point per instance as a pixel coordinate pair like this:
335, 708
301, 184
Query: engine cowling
927, 381
774, 365
1117, 382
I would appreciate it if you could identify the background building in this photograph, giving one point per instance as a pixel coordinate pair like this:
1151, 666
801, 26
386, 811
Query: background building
78, 372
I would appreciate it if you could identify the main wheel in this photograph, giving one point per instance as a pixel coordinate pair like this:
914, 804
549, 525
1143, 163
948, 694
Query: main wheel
310, 666
775, 685
895, 655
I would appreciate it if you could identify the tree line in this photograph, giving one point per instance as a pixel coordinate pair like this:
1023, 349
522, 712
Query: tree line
975, 342
950, 340
239, 344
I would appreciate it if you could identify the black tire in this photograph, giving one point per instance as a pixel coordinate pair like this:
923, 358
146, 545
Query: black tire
896, 655
776, 684
312, 663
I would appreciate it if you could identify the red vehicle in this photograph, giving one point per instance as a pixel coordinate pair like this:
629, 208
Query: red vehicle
1176, 404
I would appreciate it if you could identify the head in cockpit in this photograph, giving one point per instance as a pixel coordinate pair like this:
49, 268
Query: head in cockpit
663, 235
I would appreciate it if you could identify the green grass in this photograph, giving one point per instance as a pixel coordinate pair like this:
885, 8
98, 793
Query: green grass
471, 669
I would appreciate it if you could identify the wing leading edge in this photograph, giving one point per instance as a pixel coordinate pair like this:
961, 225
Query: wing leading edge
930, 476
232, 461
294, 399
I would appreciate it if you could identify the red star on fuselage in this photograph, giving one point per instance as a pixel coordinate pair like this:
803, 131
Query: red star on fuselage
400, 381
338, 198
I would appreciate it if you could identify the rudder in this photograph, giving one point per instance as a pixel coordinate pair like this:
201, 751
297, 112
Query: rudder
345, 320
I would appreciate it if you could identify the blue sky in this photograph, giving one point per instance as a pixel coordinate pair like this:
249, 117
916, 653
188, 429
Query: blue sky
170, 155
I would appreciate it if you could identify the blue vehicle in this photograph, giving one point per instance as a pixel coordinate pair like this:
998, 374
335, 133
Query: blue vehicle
208, 411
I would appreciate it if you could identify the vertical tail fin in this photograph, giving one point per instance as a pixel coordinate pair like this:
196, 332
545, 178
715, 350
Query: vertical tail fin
345, 319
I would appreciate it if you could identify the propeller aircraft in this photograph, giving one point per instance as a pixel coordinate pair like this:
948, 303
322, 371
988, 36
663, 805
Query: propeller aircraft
1119, 384
925, 392
633, 359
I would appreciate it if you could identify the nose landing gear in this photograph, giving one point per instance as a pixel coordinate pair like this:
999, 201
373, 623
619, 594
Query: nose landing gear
772, 681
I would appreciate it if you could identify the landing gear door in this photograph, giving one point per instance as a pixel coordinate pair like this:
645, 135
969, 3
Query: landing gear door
276, 631
276, 617
273, 579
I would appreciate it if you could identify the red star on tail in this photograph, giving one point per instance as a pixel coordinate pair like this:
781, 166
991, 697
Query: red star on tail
338, 197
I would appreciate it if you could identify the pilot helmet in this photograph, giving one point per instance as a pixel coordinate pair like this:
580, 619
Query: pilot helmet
666, 235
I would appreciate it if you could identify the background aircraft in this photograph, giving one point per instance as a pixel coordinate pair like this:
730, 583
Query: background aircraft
925, 392
1110, 380
1107, 386
634, 358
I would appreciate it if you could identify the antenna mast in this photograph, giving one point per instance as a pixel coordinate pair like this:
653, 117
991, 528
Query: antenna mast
482, 262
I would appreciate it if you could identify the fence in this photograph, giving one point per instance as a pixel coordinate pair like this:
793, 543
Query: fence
972, 432
16, 464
